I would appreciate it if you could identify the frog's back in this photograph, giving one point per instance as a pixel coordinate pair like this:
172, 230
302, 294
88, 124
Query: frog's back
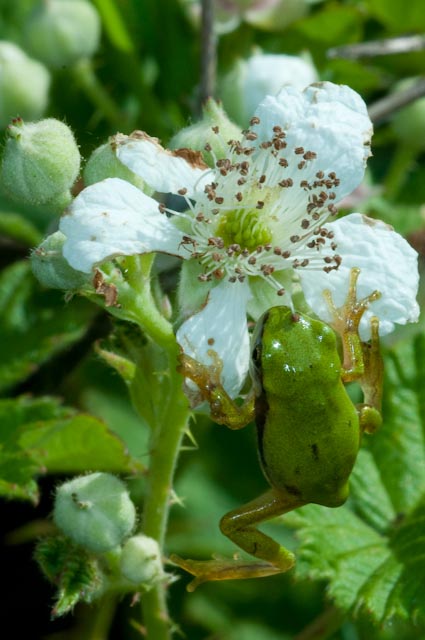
308, 429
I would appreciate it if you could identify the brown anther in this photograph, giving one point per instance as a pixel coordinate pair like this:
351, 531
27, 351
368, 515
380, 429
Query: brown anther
252, 260
182, 192
232, 279
305, 262
295, 238
311, 244
241, 278
200, 217
259, 249
299, 151
310, 155
332, 208
277, 251
267, 269
250, 135
332, 175
208, 147
328, 259
245, 253
267, 246
262, 179
283, 162
286, 254
332, 195
254, 120
315, 215
241, 181
266, 145
286, 183
239, 196
305, 223
304, 184
219, 200
260, 204
218, 274
301, 164
281, 292
320, 175
216, 129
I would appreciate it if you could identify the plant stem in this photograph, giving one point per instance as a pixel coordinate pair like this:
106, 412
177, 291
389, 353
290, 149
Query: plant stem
165, 440
165, 446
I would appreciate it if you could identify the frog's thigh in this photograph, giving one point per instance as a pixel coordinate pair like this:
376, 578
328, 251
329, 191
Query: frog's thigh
240, 526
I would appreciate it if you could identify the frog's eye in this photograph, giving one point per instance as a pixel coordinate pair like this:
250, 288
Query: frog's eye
256, 355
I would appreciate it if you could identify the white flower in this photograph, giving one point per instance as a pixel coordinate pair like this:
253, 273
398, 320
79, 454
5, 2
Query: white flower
260, 217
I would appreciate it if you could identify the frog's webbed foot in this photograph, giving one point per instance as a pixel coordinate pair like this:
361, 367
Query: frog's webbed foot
346, 320
210, 389
362, 360
228, 569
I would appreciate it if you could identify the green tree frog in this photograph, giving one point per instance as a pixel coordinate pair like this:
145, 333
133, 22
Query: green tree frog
308, 429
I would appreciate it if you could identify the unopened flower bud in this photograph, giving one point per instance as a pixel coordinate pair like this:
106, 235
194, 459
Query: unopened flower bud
409, 122
61, 32
103, 163
40, 163
141, 560
209, 135
24, 85
52, 270
95, 511
251, 80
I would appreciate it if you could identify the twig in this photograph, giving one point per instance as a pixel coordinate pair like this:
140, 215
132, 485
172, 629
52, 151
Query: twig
386, 47
382, 109
208, 52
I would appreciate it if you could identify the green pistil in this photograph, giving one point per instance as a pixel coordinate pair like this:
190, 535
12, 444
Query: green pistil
244, 228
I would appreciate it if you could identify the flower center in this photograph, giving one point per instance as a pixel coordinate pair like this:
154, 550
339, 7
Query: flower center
244, 227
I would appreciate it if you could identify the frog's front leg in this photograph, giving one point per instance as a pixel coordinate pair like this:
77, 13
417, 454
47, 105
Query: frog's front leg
362, 361
208, 380
240, 526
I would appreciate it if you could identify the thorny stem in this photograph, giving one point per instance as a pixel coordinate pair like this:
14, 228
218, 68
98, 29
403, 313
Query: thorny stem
165, 439
208, 53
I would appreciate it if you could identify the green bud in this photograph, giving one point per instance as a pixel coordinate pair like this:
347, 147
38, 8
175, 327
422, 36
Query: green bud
61, 32
201, 133
141, 560
409, 122
103, 163
24, 85
95, 511
52, 270
276, 15
41, 161
251, 80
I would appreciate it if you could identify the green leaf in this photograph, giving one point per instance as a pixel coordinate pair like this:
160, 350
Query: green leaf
394, 15
372, 550
76, 573
35, 324
332, 26
16, 226
39, 436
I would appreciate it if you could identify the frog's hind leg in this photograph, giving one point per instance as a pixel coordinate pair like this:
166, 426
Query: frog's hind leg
240, 526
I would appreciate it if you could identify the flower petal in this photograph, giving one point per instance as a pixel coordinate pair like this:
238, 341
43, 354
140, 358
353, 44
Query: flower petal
221, 326
327, 119
387, 263
166, 171
112, 218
